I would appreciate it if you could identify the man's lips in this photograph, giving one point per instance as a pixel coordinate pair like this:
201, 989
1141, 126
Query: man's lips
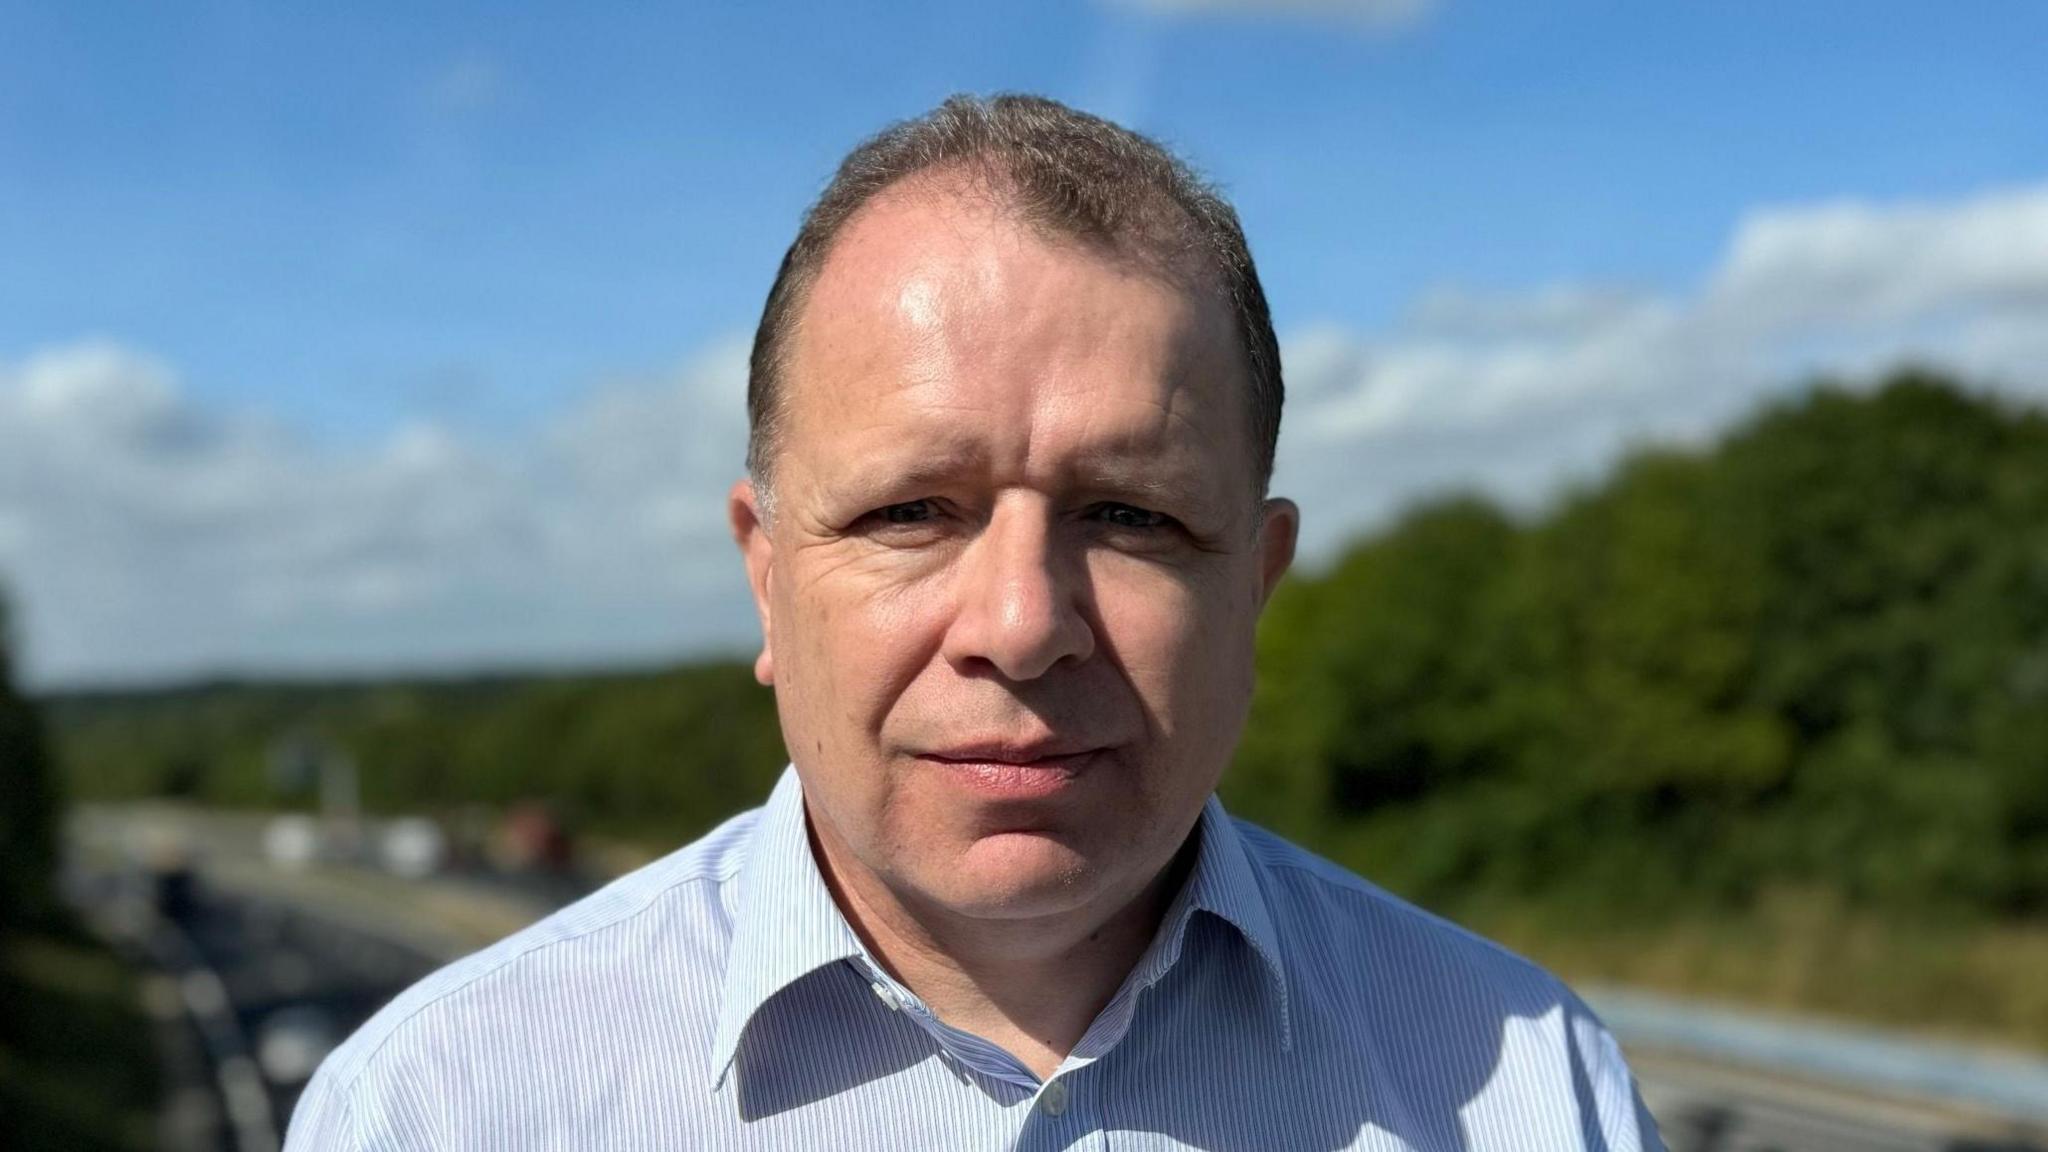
1015, 772
1018, 752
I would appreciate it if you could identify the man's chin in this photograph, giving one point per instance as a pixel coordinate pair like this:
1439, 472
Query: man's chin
1018, 875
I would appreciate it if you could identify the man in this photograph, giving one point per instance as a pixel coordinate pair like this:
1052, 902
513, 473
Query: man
1014, 402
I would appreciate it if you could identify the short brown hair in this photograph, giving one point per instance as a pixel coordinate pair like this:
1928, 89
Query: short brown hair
1077, 175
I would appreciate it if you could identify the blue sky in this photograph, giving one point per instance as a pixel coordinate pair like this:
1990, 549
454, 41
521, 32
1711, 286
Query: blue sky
343, 230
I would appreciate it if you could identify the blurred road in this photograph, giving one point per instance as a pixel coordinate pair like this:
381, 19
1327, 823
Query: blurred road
251, 992
1703, 1106
259, 969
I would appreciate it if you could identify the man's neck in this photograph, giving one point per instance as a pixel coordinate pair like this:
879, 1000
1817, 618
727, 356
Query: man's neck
1029, 986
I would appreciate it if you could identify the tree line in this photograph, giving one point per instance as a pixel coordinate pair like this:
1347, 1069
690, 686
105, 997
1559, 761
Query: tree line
77, 1069
28, 806
1814, 652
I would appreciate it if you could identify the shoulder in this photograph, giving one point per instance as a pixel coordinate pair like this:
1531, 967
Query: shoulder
1329, 911
1464, 1013
651, 942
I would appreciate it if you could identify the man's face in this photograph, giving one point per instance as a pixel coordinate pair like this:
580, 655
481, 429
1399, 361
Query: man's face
1014, 563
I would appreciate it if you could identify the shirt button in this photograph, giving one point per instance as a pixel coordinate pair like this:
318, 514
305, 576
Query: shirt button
1053, 1100
887, 995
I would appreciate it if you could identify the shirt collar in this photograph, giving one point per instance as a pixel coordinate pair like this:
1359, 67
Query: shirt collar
1224, 882
787, 926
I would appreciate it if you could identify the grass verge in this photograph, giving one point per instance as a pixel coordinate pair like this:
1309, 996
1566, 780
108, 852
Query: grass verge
1809, 954
78, 1065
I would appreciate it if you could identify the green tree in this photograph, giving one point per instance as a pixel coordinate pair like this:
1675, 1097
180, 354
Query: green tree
1816, 653
28, 804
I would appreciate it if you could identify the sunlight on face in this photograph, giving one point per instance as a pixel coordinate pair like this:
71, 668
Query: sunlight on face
1016, 560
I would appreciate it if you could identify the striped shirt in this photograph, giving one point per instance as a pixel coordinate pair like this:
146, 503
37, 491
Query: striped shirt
718, 999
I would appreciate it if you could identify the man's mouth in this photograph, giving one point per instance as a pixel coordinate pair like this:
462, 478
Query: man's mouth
1015, 771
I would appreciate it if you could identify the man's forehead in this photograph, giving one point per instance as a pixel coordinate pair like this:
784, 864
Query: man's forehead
920, 216
939, 321
962, 222
916, 440
935, 286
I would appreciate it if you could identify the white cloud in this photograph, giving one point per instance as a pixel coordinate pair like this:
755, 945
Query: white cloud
1860, 263
145, 534
150, 534
1515, 395
1381, 14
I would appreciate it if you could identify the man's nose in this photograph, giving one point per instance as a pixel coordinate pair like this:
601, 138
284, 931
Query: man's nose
1019, 599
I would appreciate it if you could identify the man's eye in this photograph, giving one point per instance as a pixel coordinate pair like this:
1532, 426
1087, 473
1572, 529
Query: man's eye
1125, 516
908, 512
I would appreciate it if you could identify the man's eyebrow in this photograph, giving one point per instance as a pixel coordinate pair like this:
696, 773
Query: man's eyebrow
1176, 477
904, 470
1136, 481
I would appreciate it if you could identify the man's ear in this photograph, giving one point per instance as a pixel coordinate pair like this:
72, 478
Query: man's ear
1279, 526
757, 550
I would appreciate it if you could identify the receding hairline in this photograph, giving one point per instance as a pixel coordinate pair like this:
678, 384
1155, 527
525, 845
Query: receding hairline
958, 192
1160, 248
1074, 177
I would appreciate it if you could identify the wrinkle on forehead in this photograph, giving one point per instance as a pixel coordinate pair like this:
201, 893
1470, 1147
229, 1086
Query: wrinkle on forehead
946, 335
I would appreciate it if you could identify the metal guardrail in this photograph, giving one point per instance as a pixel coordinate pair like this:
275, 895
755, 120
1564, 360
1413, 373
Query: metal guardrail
2011, 1086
